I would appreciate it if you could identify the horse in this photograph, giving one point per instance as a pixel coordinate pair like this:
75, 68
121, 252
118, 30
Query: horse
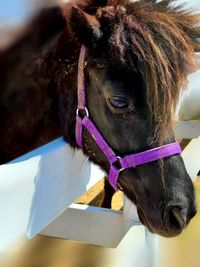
137, 56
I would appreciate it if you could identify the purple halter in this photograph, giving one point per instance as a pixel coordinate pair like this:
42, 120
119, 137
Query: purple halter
128, 161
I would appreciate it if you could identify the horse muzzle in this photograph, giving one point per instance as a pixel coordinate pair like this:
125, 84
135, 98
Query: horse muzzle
171, 222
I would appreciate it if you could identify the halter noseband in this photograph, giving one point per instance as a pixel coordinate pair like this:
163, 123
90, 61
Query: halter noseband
128, 161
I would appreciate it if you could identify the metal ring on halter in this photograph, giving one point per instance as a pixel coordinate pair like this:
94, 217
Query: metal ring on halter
121, 169
119, 187
86, 111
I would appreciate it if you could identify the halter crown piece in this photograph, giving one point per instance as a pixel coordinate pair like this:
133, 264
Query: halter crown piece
128, 161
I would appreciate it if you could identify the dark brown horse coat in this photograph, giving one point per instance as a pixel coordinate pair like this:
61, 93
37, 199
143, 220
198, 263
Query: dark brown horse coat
146, 50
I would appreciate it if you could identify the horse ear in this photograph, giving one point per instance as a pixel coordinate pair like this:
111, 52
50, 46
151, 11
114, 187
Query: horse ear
85, 26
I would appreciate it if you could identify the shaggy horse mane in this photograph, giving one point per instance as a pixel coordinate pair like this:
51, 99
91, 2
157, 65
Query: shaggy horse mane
159, 37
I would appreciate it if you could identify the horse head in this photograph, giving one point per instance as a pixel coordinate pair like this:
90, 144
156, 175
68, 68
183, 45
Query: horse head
138, 58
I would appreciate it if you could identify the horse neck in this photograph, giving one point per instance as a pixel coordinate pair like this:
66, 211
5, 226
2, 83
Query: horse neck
65, 80
43, 64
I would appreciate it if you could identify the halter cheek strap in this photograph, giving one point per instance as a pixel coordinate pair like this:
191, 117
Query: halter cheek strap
117, 164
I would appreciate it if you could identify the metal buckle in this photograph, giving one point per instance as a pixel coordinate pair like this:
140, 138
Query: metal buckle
85, 110
119, 187
117, 164
120, 170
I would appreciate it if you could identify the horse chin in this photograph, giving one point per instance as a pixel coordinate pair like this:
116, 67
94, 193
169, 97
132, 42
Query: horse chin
144, 221
153, 229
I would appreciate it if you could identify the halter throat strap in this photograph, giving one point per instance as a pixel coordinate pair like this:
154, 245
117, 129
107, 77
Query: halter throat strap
117, 164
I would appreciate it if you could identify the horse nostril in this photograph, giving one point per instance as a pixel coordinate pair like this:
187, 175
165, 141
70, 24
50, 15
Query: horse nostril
176, 217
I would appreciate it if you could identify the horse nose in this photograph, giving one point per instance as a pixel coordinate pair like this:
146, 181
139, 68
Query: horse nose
176, 217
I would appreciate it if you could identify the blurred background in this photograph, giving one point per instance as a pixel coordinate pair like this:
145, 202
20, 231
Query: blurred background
14, 16
182, 251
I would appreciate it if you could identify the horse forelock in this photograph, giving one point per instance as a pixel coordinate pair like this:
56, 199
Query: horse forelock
159, 40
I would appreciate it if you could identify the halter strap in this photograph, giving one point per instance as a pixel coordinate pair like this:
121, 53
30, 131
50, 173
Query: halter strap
117, 164
81, 80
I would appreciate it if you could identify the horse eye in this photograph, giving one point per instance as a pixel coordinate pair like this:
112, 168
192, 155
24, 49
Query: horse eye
118, 103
